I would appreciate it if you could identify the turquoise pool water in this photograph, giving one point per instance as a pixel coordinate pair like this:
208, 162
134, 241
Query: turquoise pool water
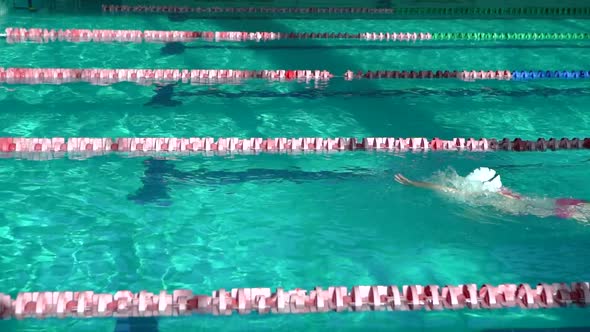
69, 224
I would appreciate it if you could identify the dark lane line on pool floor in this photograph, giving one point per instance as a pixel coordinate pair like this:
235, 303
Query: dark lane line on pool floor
549, 329
160, 173
136, 324
416, 92
176, 48
165, 94
183, 18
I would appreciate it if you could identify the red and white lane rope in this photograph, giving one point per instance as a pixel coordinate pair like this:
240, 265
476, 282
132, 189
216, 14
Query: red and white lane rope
87, 304
110, 76
250, 145
38, 35
198, 76
20, 35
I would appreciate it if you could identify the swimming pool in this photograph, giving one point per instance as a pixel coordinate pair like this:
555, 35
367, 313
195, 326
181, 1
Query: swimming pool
78, 224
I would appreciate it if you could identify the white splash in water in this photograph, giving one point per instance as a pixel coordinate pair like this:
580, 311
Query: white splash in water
473, 193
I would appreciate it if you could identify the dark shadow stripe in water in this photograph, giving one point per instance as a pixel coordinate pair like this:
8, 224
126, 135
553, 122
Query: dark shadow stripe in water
178, 18
136, 324
549, 329
175, 48
158, 174
388, 93
172, 95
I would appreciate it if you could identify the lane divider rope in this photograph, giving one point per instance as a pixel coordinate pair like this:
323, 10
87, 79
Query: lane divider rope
195, 76
108, 76
20, 35
88, 304
384, 12
88, 145
243, 10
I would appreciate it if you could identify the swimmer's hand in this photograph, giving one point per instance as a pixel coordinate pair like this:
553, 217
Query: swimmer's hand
405, 181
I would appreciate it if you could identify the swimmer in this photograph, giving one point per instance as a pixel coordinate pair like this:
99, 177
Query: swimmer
485, 181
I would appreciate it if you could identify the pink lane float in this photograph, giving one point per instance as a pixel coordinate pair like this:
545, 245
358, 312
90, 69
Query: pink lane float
110, 76
21, 35
243, 10
87, 304
196, 76
145, 146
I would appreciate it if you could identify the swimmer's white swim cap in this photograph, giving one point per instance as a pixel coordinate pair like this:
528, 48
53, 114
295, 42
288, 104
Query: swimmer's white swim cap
488, 177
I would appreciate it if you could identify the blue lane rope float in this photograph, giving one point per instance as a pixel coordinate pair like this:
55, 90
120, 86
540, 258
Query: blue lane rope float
536, 75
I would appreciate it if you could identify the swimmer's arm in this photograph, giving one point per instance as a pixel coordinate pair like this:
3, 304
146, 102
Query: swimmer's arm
428, 185
509, 194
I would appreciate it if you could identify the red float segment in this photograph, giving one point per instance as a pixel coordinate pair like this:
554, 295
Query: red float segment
87, 304
142, 146
19, 35
6, 144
